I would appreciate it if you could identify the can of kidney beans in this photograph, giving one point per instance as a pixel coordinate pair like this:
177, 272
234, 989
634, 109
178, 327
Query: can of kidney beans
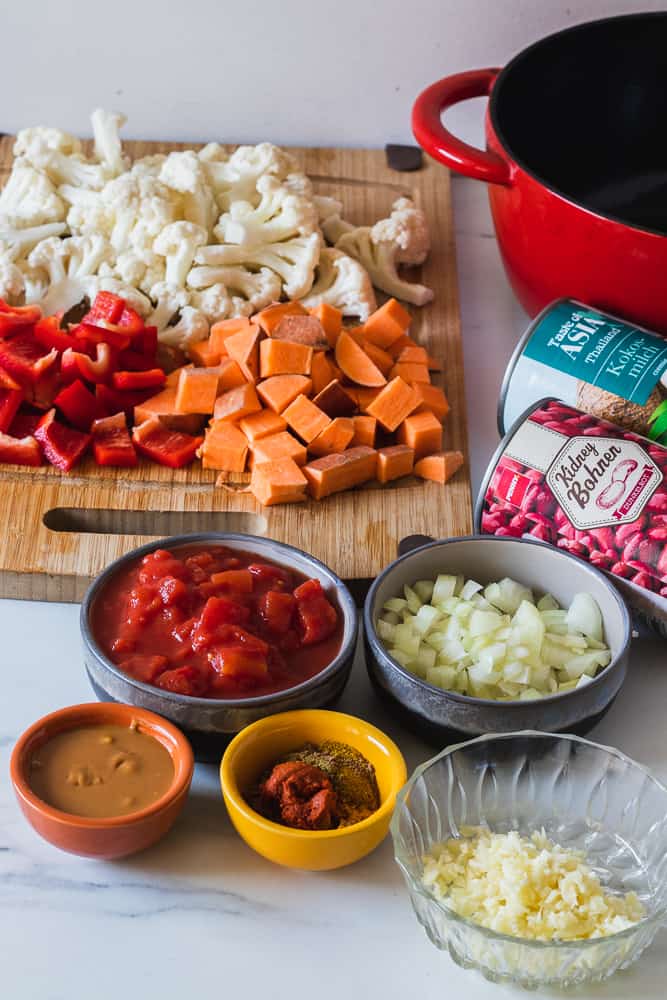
587, 358
589, 487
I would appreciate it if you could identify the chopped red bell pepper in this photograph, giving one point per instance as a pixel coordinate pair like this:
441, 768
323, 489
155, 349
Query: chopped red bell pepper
10, 400
171, 448
61, 446
316, 616
14, 317
106, 306
112, 444
142, 353
24, 424
20, 451
114, 400
78, 404
48, 332
75, 365
133, 361
24, 357
154, 378
101, 335
43, 392
6, 380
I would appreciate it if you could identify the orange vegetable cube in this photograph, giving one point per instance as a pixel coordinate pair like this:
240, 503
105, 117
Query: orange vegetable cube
269, 318
331, 320
261, 424
364, 431
439, 467
301, 330
237, 403
431, 398
393, 404
387, 324
229, 375
394, 462
422, 432
224, 448
223, 329
243, 347
279, 481
306, 419
335, 401
336, 437
197, 390
355, 363
163, 406
380, 358
282, 445
410, 372
279, 391
322, 371
203, 354
281, 357
342, 471
413, 354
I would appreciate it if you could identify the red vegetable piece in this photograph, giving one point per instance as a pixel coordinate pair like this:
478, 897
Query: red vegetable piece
75, 364
20, 451
42, 393
276, 610
237, 580
112, 444
13, 318
217, 613
171, 590
184, 680
112, 401
78, 404
239, 662
62, 446
154, 378
24, 424
101, 335
48, 332
144, 667
106, 306
24, 358
316, 616
10, 400
6, 380
275, 575
170, 448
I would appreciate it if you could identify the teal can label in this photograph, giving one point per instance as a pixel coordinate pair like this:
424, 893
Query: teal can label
571, 345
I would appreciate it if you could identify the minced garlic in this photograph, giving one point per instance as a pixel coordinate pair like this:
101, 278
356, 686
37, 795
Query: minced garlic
526, 887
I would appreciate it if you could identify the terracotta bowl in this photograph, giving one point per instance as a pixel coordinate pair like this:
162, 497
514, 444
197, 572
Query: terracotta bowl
119, 835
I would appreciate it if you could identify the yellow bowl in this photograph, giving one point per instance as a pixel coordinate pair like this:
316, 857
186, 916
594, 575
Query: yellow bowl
258, 746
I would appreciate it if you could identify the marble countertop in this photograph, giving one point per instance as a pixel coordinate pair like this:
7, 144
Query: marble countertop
200, 913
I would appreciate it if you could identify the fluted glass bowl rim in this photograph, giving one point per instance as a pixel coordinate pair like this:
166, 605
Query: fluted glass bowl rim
656, 919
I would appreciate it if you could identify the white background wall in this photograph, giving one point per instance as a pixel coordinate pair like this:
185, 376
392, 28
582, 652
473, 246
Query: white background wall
338, 72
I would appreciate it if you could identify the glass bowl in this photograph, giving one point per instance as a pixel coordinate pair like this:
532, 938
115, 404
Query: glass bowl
589, 797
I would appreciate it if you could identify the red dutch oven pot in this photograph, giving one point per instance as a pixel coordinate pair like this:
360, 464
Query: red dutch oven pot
576, 163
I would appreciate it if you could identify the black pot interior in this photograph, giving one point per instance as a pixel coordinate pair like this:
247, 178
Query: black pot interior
585, 111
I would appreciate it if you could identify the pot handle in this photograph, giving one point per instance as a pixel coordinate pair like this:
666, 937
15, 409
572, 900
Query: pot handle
432, 135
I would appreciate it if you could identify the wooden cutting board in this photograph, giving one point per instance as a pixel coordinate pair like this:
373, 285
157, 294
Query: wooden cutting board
61, 530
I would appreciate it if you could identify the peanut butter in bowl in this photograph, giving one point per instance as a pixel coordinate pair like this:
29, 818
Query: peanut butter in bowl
101, 771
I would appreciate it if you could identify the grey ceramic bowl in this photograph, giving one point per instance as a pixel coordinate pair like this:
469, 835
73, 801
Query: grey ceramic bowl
210, 723
445, 716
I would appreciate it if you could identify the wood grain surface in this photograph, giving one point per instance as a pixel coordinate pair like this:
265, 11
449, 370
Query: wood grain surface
61, 530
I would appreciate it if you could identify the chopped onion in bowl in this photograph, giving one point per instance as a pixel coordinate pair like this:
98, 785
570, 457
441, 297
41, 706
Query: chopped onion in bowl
493, 642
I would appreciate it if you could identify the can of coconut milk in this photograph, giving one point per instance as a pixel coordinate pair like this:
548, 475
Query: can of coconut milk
587, 486
592, 360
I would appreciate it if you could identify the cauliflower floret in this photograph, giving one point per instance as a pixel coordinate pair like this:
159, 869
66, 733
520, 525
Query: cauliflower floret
247, 291
154, 273
108, 148
29, 198
12, 283
214, 302
51, 138
70, 265
35, 282
279, 216
294, 261
380, 259
185, 173
87, 213
130, 268
192, 327
169, 301
234, 178
148, 166
327, 206
40, 149
141, 207
179, 242
20, 241
342, 282
407, 228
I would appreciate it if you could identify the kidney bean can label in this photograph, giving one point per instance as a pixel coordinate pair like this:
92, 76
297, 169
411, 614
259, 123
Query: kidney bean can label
585, 485
569, 345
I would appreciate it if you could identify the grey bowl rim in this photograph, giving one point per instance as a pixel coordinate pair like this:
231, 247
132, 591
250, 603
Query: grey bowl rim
657, 919
515, 704
347, 605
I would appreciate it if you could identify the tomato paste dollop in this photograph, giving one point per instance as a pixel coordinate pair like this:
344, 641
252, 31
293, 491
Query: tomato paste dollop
216, 623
